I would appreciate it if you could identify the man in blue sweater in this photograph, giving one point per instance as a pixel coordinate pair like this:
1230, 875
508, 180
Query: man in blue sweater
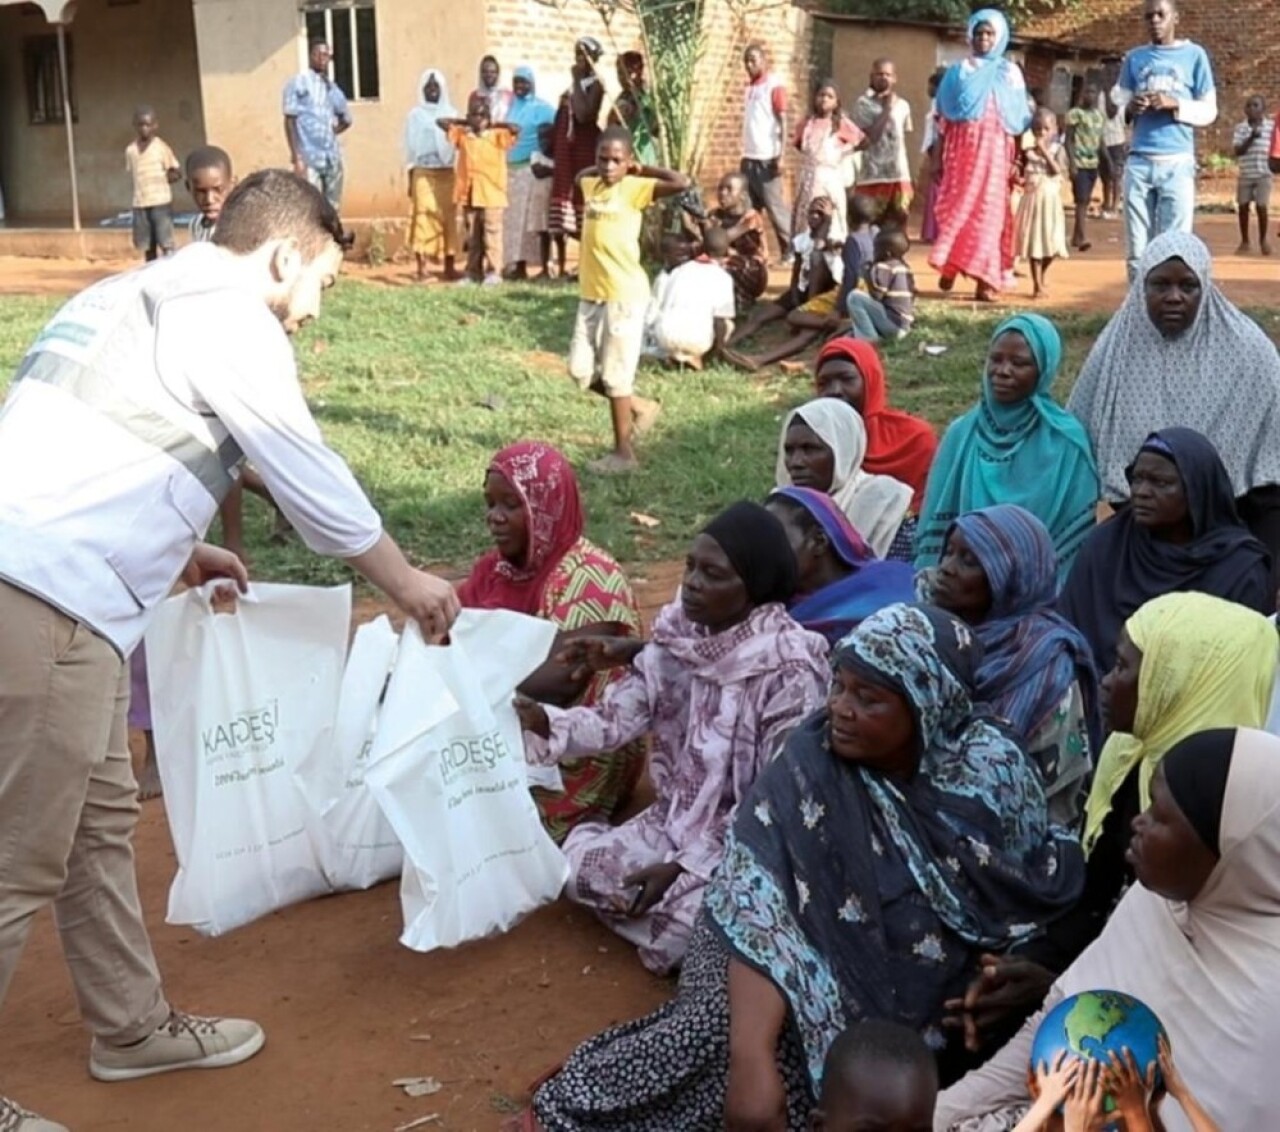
1165, 88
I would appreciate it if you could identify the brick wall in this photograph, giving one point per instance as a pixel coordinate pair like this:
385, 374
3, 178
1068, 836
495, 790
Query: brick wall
542, 35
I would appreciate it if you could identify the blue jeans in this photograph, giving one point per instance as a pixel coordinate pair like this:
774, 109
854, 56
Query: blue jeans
870, 320
1159, 196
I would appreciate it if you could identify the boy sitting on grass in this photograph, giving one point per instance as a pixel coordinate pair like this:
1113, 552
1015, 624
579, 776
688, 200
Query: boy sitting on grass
695, 311
886, 310
859, 250
809, 306
614, 289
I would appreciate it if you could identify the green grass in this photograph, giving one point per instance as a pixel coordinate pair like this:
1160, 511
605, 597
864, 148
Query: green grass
417, 388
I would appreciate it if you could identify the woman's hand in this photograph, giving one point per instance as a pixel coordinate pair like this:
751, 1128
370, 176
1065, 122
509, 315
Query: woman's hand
653, 883
585, 656
532, 716
1083, 1111
756, 1098
1005, 984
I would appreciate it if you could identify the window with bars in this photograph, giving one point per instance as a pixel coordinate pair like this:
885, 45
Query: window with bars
41, 70
350, 28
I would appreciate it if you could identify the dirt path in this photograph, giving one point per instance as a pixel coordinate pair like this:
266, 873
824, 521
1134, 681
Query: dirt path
347, 1009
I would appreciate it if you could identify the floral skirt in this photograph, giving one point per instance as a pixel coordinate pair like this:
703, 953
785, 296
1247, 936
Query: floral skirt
669, 1070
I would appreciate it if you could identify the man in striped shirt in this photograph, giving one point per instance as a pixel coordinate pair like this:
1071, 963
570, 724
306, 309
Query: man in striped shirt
315, 113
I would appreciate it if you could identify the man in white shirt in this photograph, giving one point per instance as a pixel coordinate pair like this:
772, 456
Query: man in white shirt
764, 131
123, 429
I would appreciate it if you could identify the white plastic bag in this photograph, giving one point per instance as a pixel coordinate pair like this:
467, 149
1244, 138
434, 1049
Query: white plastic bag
361, 849
447, 768
238, 701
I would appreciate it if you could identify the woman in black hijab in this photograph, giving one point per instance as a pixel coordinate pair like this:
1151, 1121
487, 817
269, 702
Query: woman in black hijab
1180, 531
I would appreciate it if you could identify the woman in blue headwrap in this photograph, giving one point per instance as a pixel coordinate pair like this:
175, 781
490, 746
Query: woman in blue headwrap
982, 109
1017, 445
999, 574
524, 221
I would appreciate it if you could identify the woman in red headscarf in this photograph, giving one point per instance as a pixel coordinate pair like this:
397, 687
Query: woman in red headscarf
541, 565
898, 444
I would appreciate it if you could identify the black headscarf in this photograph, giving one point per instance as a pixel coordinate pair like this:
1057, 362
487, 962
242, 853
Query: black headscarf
1122, 566
756, 544
1196, 771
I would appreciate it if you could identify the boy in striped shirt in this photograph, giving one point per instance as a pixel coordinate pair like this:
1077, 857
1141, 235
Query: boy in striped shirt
886, 309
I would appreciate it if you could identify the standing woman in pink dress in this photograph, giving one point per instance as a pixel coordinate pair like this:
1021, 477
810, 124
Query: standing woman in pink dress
983, 110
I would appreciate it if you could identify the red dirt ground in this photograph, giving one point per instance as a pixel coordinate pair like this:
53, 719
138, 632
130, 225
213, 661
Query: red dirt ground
347, 1010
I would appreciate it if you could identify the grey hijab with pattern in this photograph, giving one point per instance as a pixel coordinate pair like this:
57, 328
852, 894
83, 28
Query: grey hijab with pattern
1221, 377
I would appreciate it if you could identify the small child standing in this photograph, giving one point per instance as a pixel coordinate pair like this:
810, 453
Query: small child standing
543, 166
886, 310
1085, 124
480, 185
1041, 233
859, 250
614, 289
877, 1075
1252, 142
209, 180
154, 168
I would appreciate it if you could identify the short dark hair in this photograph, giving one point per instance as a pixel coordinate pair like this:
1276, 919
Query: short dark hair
894, 242
318, 42
715, 242
617, 134
144, 110
208, 157
863, 209
880, 1043
274, 204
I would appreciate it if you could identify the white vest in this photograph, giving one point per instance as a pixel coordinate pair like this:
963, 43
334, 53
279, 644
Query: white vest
761, 132
107, 479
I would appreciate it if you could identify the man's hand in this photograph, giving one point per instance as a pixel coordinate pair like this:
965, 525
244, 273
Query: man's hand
209, 562
299, 167
430, 601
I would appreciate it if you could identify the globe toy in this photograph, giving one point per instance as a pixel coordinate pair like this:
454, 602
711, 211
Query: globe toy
1095, 1024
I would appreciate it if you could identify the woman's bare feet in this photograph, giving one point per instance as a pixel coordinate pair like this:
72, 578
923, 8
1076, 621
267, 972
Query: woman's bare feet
984, 294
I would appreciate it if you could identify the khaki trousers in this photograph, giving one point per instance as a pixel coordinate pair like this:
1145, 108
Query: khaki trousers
68, 807
484, 233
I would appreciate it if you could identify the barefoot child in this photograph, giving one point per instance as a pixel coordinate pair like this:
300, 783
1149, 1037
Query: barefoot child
614, 289
1252, 142
877, 1075
886, 310
209, 179
153, 167
859, 250
809, 306
480, 184
1085, 124
1042, 219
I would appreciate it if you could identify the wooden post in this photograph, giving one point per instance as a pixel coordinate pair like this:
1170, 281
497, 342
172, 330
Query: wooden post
65, 78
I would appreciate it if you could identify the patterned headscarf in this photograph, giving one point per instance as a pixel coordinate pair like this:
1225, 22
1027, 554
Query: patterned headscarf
1220, 377
546, 485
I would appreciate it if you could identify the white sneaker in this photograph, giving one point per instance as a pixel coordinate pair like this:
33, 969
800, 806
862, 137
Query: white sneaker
492, 280
183, 1042
15, 1118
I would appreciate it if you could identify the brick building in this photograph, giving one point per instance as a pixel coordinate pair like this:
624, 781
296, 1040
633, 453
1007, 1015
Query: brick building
214, 70
1238, 34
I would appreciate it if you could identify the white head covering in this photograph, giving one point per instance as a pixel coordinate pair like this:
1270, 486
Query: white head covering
425, 144
1209, 968
875, 505
1220, 377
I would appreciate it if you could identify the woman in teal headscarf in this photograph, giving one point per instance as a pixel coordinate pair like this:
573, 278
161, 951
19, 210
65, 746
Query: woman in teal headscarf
521, 224
1017, 445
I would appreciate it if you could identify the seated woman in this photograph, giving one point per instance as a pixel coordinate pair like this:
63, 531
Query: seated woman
841, 582
1197, 940
898, 444
1186, 662
747, 262
1016, 446
822, 446
896, 836
726, 675
999, 573
1180, 532
541, 565
1180, 353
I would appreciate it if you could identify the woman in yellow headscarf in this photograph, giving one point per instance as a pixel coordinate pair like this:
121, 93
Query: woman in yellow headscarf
1185, 663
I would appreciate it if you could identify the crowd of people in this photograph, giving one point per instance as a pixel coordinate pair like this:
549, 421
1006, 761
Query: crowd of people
936, 734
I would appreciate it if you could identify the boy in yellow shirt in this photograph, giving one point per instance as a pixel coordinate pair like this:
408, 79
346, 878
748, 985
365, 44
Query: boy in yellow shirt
614, 289
480, 184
